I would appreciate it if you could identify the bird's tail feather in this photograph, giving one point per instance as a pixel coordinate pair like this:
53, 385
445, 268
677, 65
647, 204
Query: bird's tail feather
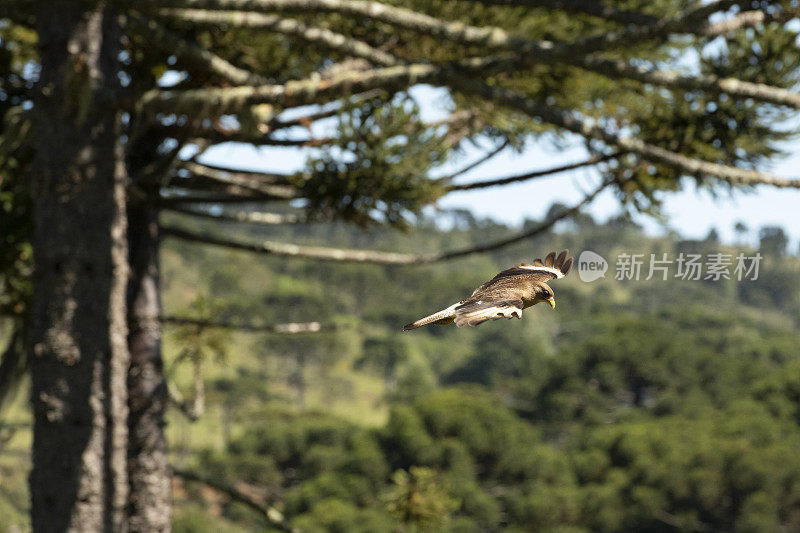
443, 315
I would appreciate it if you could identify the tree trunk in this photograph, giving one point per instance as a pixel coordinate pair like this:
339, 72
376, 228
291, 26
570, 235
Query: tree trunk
12, 365
79, 353
149, 498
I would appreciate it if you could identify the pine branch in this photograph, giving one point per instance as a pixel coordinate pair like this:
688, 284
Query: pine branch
178, 197
490, 37
285, 26
748, 19
402, 76
305, 120
689, 21
398, 77
690, 165
312, 90
192, 53
703, 82
214, 135
234, 186
593, 8
185, 407
254, 217
279, 183
294, 250
594, 160
251, 186
290, 327
271, 514
294, 93
477, 163
539, 229
376, 257
236, 173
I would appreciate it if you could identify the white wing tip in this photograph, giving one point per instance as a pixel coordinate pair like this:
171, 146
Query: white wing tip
550, 270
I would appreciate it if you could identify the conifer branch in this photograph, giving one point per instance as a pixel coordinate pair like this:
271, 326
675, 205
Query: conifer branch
179, 197
236, 173
748, 19
405, 75
253, 217
193, 54
594, 160
285, 26
476, 163
215, 136
232, 184
207, 185
294, 93
304, 120
376, 257
312, 90
184, 406
570, 122
254, 180
704, 82
271, 514
492, 37
538, 229
594, 8
289, 328
294, 250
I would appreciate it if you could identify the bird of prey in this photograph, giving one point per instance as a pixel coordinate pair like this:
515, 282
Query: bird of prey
505, 295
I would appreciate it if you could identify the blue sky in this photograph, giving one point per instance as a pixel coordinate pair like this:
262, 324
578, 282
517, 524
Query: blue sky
691, 212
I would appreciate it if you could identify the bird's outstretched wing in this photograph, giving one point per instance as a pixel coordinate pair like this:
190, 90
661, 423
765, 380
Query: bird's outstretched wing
475, 312
552, 267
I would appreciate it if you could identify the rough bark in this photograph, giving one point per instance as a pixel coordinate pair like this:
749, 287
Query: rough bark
79, 354
12, 365
148, 474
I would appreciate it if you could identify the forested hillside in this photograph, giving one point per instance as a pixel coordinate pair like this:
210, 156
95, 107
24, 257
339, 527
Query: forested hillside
634, 406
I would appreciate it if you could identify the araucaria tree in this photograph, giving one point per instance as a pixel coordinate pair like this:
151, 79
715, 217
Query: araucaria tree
96, 143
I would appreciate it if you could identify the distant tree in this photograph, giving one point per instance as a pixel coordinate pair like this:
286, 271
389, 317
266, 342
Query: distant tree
385, 354
199, 345
773, 241
556, 209
712, 237
463, 219
418, 501
740, 229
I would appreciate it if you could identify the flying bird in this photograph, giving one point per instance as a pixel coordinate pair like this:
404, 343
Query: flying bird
505, 295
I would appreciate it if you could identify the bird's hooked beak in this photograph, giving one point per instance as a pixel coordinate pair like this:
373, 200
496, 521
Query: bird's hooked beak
552, 302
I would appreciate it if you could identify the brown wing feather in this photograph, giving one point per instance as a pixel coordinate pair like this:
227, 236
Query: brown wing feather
566, 266
476, 312
560, 259
548, 261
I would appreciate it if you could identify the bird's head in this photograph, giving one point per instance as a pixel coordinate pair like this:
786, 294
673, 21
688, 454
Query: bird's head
543, 293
